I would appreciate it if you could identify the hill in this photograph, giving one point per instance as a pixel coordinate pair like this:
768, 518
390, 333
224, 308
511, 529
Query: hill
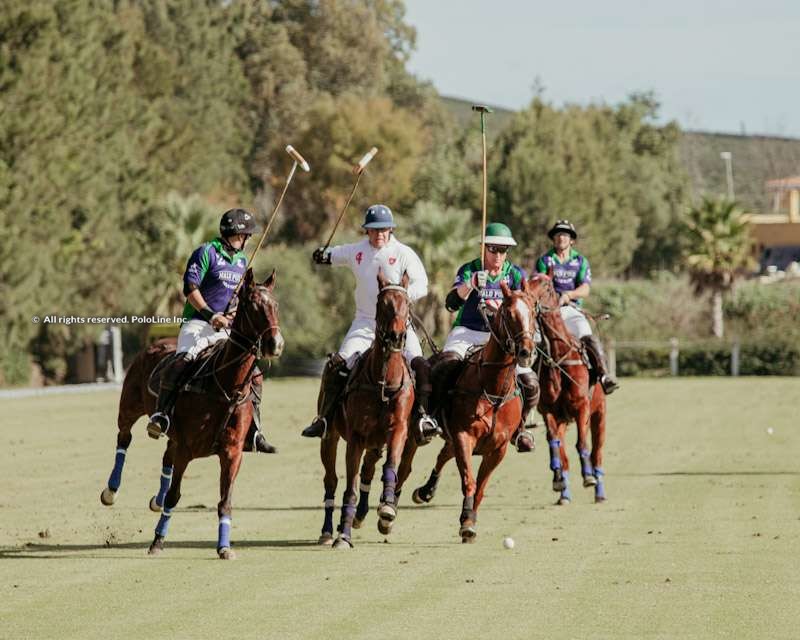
756, 159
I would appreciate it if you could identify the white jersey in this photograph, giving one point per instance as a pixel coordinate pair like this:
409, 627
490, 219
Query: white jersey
364, 261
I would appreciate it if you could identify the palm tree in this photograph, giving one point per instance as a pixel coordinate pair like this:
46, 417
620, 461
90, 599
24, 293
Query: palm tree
444, 239
718, 251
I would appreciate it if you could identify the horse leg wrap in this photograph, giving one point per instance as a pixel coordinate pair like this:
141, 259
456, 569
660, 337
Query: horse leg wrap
348, 513
599, 488
224, 535
327, 525
468, 509
166, 480
566, 494
163, 523
389, 479
555, 455
586, 462
115, 479
363, 501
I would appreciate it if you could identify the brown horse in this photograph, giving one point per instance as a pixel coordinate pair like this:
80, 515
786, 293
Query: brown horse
375, 412
568, 392
486, 407
214, 422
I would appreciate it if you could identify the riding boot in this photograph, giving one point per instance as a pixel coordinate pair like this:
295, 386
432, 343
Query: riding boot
332, 385
443, 372
529, 387
426, 426
598, 358
160, 420
255, 440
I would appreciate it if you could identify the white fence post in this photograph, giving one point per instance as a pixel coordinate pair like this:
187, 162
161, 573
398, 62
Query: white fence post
612, 357
735, 349
673, 356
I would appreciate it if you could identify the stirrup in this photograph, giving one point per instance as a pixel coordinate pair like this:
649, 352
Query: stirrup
609, 384
313, 430
154, 428
427, 428
523, 440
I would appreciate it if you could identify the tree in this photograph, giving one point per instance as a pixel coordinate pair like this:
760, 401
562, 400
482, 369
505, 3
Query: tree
718, 251
444, 239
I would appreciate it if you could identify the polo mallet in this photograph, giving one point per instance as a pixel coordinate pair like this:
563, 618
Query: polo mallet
298, 160
483, 109
358, 170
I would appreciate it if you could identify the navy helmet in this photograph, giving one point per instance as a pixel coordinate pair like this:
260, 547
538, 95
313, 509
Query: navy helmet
236, 221
378, 216
563, 226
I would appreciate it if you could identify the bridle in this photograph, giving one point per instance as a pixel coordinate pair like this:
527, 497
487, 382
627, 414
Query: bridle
509, 345
387, 343
243, 340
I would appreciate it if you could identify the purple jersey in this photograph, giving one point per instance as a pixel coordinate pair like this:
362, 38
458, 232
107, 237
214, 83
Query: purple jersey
215, 273
568, 275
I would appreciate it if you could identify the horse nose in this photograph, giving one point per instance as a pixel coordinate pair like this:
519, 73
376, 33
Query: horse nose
524, 357
275, 345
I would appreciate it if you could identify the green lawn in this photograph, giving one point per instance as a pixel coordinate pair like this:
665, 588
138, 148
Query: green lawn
700, 537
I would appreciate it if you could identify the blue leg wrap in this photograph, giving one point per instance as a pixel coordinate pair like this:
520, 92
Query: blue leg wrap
224, 536
599, 488
115, 479
389, 479
363, 502
565, 492
163, 523
327, 524
586, 463
348, 513
166, 480
555, 455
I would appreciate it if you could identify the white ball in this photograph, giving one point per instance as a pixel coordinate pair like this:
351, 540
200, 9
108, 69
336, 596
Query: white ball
769, 430
508, 543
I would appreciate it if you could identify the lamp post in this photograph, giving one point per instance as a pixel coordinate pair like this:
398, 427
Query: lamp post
727, 156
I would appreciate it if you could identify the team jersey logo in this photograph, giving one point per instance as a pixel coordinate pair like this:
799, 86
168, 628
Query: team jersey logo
392, 260
359, 257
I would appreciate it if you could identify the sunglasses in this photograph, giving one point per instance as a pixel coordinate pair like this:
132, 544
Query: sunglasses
496, 249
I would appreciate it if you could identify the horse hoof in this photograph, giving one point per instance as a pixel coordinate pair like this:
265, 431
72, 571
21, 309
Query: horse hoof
589, 481
226, 554
154, 506
325, 540
467, 539
155, 548
357, 522
387, 511
342, 543
559, 485
599, 499
467, 530
563, 501
107, 496
385, 526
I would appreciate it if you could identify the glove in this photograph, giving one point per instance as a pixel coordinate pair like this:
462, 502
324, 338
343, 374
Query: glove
220, 321
479, 279
320, 256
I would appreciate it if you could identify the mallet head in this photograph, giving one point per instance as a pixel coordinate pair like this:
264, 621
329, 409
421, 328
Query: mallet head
359, 168
481, 107
297, 157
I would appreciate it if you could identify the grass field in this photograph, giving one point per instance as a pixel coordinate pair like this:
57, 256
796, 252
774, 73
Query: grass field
700, 537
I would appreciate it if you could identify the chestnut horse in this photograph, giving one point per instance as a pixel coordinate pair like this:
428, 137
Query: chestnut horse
375, 412
486, 407
204, 424
568, 392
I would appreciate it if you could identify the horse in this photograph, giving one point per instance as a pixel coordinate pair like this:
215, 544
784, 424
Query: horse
374, 412
214, 421
486, 406
569, 391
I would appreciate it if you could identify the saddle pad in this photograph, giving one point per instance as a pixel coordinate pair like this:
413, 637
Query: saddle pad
190, 380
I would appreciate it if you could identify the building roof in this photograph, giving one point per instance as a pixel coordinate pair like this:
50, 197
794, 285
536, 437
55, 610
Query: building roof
784, 183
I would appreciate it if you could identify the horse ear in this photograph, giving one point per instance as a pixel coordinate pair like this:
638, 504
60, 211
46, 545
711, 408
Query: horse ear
505, 289
404, 280
248, 280
269, 283
382, 281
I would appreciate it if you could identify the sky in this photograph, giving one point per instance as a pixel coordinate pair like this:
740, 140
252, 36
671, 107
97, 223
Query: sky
715, 66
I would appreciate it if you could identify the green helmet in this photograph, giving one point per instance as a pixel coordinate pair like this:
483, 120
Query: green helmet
499, 234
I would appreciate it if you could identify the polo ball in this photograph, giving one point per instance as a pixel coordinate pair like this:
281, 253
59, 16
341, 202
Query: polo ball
508, 543
769, 430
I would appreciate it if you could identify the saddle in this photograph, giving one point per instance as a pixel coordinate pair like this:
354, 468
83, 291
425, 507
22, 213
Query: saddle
353, 382
196, 376
547, 361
